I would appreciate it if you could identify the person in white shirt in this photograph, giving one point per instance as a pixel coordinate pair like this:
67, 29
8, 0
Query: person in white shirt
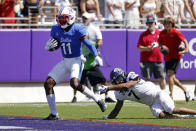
132, 15
188, 11
113, 12
149, 8
174, 9
131, 87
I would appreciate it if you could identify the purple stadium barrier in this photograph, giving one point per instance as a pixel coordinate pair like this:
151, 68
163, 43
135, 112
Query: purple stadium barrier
23, 57
15, 57
113, 51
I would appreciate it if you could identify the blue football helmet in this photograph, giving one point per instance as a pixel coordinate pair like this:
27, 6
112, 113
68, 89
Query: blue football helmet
117, 76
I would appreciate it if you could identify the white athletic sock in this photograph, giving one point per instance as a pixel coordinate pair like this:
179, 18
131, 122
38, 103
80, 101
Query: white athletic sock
90, 94
52, 104
189, 116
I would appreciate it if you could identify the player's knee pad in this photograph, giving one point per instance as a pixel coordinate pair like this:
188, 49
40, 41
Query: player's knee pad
49, 83
76, 86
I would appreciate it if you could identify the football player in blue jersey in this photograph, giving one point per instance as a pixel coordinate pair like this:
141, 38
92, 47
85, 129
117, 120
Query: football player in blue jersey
69, 36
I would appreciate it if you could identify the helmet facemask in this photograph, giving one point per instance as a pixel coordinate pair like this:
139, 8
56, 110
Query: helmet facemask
65, 17
118, 80
117, 76
62, 19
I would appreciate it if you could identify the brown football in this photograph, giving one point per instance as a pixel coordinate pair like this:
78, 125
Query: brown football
164, 49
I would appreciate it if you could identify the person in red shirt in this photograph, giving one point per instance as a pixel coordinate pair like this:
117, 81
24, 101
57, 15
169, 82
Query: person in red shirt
7, 10
172, 38
151, 61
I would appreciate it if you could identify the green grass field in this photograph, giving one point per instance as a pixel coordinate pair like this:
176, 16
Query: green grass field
131, 112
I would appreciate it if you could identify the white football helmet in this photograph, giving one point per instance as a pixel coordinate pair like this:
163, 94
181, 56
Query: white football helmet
66, 17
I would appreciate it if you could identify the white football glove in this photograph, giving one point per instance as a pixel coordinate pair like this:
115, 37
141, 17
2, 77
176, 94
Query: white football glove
83, 58
51, 45
99, 61
104, 89
105, 117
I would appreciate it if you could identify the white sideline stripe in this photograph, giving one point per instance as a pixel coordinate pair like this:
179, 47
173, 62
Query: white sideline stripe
14, 127
34, 92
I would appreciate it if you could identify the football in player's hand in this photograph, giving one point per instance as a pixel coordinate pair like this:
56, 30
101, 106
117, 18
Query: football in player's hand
52, 44
56, 46
164, 49
181, 47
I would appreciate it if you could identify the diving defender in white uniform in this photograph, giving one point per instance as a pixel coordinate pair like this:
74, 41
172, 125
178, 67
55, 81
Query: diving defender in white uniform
131, 87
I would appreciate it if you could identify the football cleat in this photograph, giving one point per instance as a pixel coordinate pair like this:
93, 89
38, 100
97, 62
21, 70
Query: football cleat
52, 117
187, 96
74, 100
102, 105
194, 98
108, 99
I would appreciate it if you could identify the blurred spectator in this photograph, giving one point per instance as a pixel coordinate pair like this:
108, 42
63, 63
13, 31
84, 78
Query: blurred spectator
151, 61
42, 3
76, 3
188, 11
113, 12
56, 5
172, 38
132, 15
31, 11
92, 7
18, 8
62, 3
161, 11
174, 9
148, 8
193, 8
7, 10
194, 98
102, 7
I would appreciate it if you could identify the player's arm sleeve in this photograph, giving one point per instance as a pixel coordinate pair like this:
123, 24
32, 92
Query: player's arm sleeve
91, 47
116, 109
83, 38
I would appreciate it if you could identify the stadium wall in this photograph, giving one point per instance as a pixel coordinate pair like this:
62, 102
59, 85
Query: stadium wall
24, 59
